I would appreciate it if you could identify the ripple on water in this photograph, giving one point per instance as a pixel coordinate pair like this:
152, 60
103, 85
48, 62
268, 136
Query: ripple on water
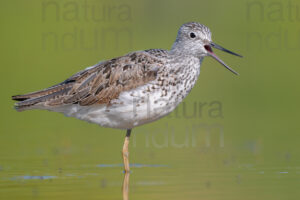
29, 177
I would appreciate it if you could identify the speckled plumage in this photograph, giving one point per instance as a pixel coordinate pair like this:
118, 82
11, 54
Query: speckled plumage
131, 90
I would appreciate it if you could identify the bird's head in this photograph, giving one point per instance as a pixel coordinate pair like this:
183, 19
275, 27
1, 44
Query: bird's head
195, 39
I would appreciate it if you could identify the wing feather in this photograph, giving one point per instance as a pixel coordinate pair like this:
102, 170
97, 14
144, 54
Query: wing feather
96, 85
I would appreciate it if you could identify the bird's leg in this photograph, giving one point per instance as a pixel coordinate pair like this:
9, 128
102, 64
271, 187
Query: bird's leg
125, 187
125, 151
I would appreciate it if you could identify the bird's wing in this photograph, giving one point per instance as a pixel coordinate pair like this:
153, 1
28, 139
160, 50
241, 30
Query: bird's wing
98, 84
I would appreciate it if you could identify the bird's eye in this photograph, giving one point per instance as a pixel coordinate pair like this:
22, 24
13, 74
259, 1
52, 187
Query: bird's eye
192, 35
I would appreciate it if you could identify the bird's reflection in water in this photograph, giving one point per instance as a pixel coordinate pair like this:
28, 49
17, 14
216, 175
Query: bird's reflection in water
125, 187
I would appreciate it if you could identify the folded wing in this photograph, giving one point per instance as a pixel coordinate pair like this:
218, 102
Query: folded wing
95, 85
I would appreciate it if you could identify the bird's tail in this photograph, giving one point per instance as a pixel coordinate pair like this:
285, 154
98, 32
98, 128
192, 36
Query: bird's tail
38, 99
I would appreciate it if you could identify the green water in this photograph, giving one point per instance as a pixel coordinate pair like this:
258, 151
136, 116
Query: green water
232, 138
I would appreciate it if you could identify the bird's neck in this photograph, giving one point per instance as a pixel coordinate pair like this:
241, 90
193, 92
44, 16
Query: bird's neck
181, 52
185, 59
178, 50
182, 65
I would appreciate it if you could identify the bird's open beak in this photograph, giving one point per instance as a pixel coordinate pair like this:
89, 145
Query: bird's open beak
212, 54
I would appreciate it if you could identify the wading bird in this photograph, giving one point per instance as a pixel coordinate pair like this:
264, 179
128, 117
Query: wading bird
131, 90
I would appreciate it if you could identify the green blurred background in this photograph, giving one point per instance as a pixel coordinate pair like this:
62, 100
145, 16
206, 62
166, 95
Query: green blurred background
232, 138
